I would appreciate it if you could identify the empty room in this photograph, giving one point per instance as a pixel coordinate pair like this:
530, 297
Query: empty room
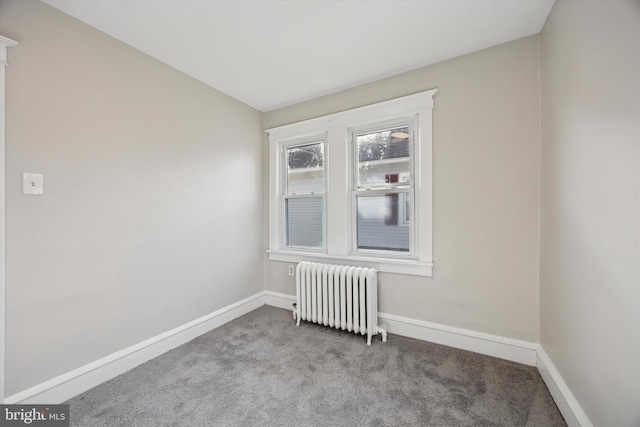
320, 213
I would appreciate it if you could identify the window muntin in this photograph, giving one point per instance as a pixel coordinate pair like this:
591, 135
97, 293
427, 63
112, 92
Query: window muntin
303, 198
383, 190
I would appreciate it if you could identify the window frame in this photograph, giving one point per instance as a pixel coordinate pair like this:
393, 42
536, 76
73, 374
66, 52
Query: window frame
338, 204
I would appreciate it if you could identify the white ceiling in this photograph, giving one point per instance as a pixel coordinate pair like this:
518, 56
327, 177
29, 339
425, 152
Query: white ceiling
270, 54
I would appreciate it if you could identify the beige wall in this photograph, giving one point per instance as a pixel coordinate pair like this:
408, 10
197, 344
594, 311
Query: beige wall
590, 241
152, 213
486, 183
140, 229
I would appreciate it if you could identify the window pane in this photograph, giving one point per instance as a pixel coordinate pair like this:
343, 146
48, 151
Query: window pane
304, 222
384, 157
383, 222
305, 169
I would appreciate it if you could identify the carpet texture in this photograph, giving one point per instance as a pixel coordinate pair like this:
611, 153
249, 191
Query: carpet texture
263, 370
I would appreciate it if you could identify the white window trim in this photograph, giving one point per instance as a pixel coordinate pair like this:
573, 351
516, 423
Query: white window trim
338, 194
4, 44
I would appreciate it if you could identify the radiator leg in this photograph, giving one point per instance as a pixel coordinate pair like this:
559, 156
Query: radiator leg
295, 314
384, 334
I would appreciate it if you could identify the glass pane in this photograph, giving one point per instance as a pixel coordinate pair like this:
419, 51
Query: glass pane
383, 157
304, 222
305, 169
383, 222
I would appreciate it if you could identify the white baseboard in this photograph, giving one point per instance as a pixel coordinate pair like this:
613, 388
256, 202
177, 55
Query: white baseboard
276, 299
571, 410
524, 352
466, 339
488, 344
70, 384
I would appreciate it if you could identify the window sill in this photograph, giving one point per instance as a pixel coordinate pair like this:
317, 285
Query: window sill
386, 265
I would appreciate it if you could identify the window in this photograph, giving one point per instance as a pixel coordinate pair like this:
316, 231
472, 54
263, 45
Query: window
382, 201
355, 187
303, 195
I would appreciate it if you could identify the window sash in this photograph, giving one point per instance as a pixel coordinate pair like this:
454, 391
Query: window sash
381, 127
286, 195
288, 223
409, 193
287, 173
406, 186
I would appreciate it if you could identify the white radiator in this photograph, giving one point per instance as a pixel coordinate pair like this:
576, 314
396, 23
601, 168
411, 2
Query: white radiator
338, 296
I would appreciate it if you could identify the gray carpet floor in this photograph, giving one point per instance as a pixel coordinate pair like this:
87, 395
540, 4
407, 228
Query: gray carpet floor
263, 370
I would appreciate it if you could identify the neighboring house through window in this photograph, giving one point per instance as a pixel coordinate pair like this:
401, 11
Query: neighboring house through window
355, 187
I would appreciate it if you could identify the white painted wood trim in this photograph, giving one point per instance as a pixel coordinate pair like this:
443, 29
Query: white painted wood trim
515, 350
396, 106
72, 383
571, 410
387, 265
466, 339
488, 344
4, 44
340, 222
276, 299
